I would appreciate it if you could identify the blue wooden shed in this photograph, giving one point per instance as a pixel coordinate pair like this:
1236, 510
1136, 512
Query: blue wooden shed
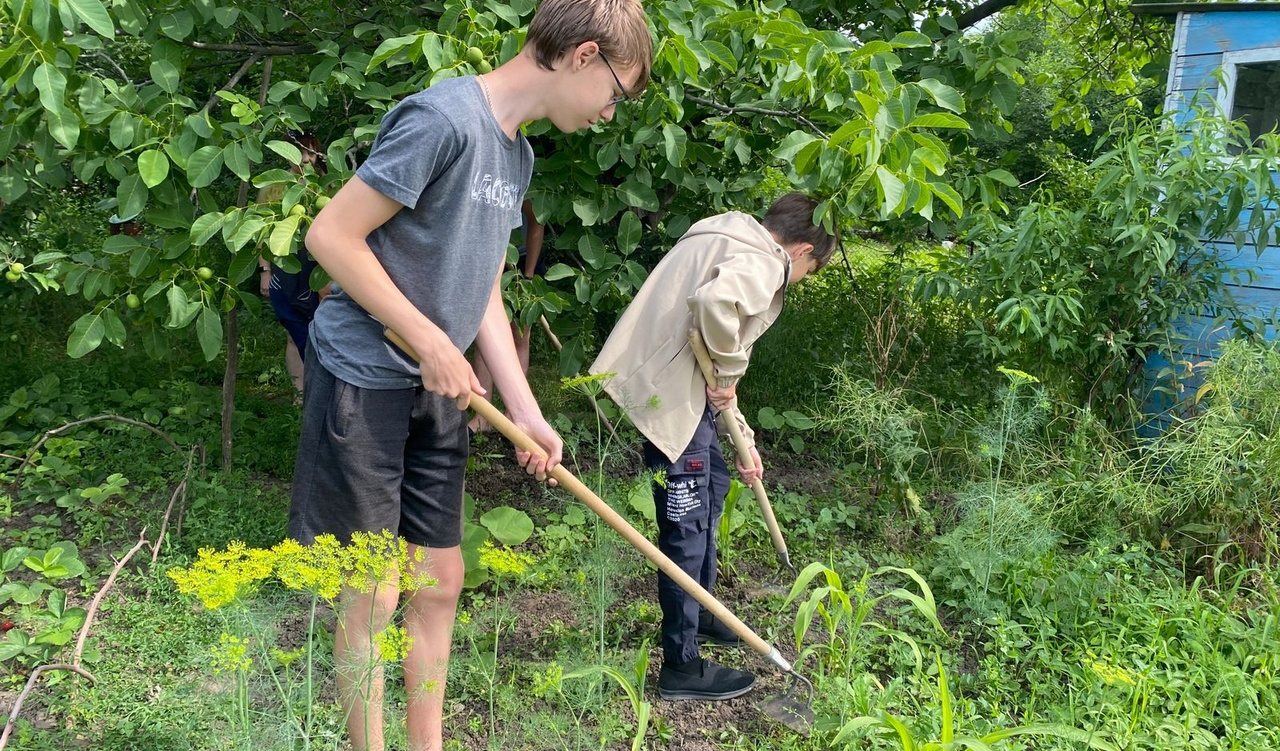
1228, 55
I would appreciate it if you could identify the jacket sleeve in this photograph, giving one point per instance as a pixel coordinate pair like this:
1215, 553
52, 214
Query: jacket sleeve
722, 426
742, 286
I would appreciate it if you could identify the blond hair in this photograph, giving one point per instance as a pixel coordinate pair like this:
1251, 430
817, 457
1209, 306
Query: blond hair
618, 26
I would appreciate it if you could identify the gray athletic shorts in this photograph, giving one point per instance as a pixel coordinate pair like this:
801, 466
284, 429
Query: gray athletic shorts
372, 460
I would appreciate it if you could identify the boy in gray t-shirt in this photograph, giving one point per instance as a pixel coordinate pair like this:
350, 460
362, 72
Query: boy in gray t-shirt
415, 242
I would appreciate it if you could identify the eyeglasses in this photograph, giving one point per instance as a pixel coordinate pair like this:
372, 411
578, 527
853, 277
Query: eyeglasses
621, 97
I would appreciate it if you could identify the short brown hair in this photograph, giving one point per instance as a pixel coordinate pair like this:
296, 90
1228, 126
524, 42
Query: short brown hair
618, 26
790, 219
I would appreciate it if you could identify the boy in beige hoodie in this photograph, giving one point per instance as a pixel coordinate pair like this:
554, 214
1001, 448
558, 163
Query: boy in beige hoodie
727, 277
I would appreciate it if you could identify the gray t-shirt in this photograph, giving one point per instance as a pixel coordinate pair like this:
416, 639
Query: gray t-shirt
441, 154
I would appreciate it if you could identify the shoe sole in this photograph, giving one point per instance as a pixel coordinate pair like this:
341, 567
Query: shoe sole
702, 696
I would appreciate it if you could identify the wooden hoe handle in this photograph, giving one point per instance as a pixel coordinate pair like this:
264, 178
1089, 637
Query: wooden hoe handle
743, 450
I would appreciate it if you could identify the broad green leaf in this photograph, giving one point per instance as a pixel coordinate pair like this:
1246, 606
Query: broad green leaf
939, 120
282, 235
943, 95
131, 196
674, 141
559, 271
892, 190
629, 231
508, 525
209, 332
86, 335
291, 153
153, 166
204, 166
587, 210
204, 227
635, 193
95, 16
237, 160
792, 144
166, 75
182, 310
123, 129
246, 230
64, 125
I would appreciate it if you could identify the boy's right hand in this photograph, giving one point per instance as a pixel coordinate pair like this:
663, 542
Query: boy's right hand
445, 371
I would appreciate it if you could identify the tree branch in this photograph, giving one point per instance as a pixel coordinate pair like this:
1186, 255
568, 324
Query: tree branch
982, 11
235, 79
99, 418
257, 49
97, 598
735, 109
31, 682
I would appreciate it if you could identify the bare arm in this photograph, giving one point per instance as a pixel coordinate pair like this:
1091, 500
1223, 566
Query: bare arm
338, 240
532, 240
499, 352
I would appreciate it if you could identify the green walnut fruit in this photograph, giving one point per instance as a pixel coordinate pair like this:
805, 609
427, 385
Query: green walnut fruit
474, 55
321, 202
205, 273
12, 276
13, 337
17, 268
298, 210
132, 301
483, 67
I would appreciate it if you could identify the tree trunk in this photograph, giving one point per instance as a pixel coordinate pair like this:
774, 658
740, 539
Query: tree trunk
233, 320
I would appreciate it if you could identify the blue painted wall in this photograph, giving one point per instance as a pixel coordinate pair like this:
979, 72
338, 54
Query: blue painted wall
1201, 38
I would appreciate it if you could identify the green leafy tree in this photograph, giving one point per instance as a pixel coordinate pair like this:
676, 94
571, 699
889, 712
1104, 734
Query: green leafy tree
1083, 293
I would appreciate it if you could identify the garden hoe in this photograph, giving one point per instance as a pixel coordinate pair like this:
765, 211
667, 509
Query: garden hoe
744, 456
789, 708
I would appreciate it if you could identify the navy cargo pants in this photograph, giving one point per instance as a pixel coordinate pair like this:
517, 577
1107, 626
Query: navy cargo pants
689, 497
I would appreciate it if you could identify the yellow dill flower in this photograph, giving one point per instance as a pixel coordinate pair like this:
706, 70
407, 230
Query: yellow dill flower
503, 560
660, 477
220, 577
287, 658
314, 568
591, 384
413, 575
231, 655
1017, 376
393, 643
372, 558
1112, 675
464, 616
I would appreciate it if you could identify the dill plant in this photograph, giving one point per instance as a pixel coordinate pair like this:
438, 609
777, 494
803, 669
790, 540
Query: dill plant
226, 582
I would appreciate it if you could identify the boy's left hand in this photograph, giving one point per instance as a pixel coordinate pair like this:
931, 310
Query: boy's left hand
751, 474
546, 436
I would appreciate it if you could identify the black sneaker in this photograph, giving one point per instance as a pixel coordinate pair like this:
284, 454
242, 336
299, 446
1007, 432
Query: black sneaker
703, 680
714, 631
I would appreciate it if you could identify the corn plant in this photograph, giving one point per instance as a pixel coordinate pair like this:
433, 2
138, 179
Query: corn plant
845, 613
632, 685
895, 728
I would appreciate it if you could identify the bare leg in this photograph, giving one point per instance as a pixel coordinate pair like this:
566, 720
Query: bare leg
358, 664
428, 619
521, 337
293, 363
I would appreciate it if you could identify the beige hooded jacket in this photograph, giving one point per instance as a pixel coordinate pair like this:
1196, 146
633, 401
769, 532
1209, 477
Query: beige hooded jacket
727, 277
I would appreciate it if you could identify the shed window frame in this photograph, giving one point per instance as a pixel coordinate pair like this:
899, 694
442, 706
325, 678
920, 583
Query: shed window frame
1231, 63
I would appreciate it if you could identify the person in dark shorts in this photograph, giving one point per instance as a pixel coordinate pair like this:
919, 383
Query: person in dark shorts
416, 242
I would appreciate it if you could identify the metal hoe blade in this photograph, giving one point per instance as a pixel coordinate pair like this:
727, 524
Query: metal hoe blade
790, 710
